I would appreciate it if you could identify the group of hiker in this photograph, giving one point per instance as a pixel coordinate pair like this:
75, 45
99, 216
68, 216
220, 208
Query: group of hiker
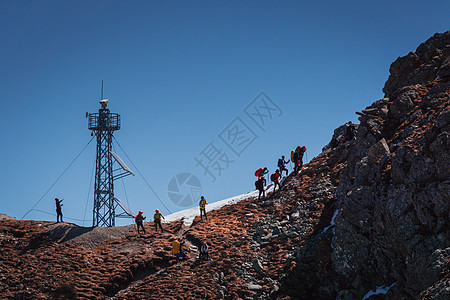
139, 220
296, 158
178, 251
177, 246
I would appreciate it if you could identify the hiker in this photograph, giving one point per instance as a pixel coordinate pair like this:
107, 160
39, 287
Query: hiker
58, 210
349, 133
203, 251
275, 177
298, 158
177, 249
202, 205
282, 165
259, 184
139, 219
157, 219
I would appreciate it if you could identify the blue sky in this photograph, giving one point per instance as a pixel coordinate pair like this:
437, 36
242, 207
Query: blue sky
179, 74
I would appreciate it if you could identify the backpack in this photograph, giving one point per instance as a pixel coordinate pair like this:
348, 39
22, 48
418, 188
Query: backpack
273, 177
258, 172
280, 163
175, 247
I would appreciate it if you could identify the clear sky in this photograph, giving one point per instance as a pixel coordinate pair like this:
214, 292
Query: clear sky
186, 78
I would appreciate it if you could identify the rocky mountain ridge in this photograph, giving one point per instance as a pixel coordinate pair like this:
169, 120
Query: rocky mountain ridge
368, 212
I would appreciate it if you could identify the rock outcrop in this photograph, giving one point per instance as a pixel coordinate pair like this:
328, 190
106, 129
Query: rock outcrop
394, 193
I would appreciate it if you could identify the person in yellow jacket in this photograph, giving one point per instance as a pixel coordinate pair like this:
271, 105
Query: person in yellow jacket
157, 219
202, 205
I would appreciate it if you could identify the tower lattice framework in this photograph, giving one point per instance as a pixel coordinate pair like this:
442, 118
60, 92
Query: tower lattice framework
103, 124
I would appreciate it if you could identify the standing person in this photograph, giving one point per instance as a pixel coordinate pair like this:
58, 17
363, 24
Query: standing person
275, 177
349, 132
298, 158
139, 219
157, 219
282, 165
202, 205
203, 251
260, 183
58, 210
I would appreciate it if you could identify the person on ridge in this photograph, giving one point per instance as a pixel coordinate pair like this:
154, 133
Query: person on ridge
282, 165
58, 210
203, 252
202, 205
349, 132
157, 219
260, 183
139, 219
298, 158
275, 177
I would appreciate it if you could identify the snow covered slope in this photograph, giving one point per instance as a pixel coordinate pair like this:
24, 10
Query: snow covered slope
190, 213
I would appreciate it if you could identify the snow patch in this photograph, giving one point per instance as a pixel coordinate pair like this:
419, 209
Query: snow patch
379, 290
190, 213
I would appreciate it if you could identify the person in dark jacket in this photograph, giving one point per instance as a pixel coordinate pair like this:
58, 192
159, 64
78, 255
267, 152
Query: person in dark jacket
282, 165
139, 219
260, 183
58, 210
298, 158
349, 133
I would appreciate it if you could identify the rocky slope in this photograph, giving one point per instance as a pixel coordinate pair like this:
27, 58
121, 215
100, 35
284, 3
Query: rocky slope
366, 213
394, 193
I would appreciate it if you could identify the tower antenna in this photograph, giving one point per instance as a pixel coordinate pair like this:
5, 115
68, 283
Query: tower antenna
101, 98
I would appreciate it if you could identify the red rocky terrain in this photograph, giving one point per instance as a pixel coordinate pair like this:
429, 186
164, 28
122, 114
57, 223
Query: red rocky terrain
368, 212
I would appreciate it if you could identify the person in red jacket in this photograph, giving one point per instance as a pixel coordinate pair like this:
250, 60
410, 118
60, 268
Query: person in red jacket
275, 177
139, 219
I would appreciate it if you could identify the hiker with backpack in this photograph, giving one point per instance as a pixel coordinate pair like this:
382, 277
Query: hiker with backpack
139, 219
275, 178
202, 205
259, 184
157, 219
282, 165
298, 158
177, 249
349, 132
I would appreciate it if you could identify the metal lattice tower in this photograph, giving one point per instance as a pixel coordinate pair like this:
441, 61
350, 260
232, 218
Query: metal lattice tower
103, 124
